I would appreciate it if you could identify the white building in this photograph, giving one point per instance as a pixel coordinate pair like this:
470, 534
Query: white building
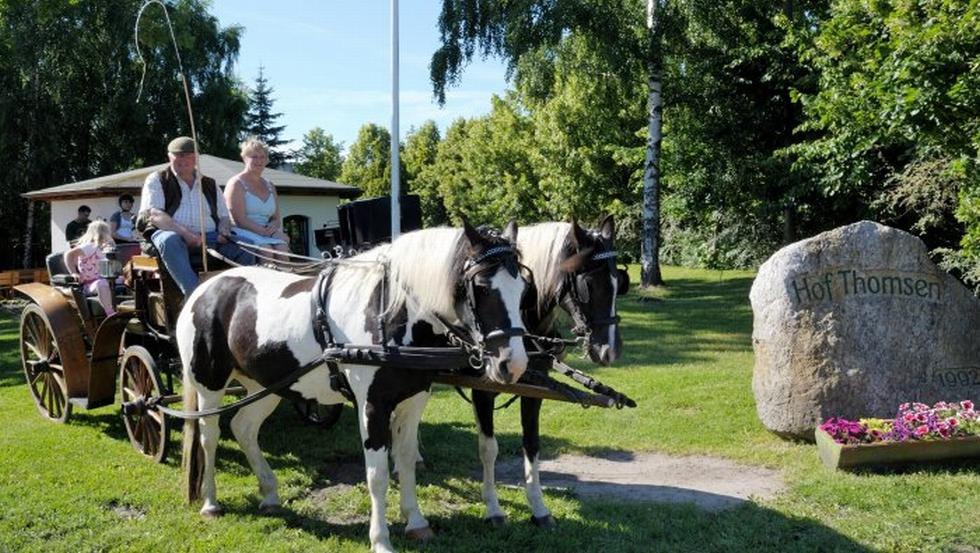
306, 204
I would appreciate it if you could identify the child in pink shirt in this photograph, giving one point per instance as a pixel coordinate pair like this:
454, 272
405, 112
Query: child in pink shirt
83, 262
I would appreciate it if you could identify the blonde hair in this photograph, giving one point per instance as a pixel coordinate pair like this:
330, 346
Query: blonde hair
98, 233
252, 143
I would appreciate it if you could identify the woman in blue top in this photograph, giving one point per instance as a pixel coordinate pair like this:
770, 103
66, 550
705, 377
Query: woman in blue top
252, 200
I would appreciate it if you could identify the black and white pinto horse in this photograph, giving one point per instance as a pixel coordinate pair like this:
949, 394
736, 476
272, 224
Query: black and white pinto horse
575, 270
256, 326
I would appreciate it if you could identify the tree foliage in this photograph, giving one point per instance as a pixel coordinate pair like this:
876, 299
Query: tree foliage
69, 77
421, 149
261, 120
319, 156
368, 163
897, 113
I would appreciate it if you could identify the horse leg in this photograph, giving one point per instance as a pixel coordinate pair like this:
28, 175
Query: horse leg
245, 425
530, 416
483, 408
374, 423
210, 433
405, 442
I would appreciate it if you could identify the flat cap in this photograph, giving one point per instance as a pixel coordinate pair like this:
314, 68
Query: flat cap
181, 145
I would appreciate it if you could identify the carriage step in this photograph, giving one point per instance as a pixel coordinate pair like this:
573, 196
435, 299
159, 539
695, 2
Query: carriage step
84, 403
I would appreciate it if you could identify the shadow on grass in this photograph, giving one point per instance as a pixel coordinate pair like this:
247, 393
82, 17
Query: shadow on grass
10, 364
696, 320
333, 458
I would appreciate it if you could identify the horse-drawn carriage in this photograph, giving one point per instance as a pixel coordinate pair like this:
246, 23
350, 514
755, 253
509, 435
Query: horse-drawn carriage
73, 355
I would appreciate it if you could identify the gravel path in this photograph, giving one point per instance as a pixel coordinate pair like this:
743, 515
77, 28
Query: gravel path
708, 482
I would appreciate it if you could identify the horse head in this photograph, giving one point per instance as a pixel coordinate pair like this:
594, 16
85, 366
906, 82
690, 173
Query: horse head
590, 287
494, 287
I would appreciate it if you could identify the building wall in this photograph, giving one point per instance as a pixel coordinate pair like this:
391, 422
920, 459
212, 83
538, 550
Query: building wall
63, 211
321, 211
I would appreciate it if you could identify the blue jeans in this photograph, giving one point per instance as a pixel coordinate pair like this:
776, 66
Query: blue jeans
175, 255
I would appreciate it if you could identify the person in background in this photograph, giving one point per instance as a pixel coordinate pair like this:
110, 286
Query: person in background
252, 200
170, 215
83, 262
77, 226
122, 221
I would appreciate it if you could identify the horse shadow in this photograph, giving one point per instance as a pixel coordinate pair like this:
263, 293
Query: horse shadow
332, 460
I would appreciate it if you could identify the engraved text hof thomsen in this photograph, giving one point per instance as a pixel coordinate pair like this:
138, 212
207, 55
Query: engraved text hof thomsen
834, 285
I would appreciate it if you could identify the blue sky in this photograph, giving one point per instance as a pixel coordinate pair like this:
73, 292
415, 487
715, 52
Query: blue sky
329, 63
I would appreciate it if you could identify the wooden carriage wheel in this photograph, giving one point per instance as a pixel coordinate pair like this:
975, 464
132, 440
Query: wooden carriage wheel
312, 412
42, 364
139, 382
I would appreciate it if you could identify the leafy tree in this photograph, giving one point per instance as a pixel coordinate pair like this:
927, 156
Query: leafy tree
368, 163
421, 149
319, 156
731, 197
895, 116
261, 121
68, 98
616, 30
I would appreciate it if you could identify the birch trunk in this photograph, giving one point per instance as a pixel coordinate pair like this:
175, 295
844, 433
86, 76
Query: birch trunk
650, 243
26, 262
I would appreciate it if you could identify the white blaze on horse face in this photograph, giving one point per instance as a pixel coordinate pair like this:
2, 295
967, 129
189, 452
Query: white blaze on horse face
511, 288
612, 316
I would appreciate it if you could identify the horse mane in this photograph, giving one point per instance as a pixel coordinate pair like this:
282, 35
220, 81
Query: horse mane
543, 247
424, 267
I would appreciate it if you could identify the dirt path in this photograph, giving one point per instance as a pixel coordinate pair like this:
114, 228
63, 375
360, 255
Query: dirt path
708, 482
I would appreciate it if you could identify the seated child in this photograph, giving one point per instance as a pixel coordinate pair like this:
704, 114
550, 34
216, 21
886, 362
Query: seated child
83, 262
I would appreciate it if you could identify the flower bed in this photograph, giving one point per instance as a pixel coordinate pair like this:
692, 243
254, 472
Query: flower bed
918, 433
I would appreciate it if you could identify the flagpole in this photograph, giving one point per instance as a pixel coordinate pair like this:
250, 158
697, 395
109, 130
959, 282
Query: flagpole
396, 220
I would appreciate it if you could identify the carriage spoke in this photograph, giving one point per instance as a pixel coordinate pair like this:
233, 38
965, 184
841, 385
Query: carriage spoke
157, 416
34, 350
130, 393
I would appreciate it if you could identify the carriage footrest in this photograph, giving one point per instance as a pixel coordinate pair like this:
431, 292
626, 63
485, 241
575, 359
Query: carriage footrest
84, 403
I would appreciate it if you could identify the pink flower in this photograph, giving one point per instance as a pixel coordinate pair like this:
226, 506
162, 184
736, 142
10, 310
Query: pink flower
909, 417
920, 406
921, 417
944, 431
966, 404
903, 407
921, 431
952, 422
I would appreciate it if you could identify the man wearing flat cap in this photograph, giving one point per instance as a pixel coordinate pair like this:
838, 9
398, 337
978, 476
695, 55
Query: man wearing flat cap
170, 215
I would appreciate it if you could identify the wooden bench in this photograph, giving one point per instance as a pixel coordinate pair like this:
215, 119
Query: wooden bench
8, 279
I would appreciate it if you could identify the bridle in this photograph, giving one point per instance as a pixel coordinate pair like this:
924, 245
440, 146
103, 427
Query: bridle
477, 348
576, 288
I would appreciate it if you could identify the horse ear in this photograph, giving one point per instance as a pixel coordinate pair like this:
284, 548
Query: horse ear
510, 231
607, 228
576, 261
471, 233
579, 235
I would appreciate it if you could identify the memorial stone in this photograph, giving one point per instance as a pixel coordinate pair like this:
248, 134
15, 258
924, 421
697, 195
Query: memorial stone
855, 321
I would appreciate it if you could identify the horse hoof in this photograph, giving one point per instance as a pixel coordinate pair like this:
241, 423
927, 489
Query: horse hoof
498, 521
422, 535
546, 522
212, 512
270, 510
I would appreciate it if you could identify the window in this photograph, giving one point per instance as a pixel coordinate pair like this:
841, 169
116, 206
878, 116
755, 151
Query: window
297, 228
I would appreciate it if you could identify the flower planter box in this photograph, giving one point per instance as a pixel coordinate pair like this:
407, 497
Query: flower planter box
840, 456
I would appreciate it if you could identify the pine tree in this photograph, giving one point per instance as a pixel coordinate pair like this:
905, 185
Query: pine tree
261, 121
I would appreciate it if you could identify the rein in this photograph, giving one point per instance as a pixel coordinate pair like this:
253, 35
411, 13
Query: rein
575, 286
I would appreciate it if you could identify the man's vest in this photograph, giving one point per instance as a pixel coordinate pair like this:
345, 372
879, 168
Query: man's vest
172, 194
171, 200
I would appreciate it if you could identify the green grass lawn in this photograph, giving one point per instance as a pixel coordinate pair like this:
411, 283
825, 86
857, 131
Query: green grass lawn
688, 363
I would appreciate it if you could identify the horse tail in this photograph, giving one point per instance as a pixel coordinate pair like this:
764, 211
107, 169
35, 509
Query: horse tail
192, 459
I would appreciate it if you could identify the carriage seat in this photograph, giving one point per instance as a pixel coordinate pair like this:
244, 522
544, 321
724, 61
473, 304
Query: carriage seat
63, 281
